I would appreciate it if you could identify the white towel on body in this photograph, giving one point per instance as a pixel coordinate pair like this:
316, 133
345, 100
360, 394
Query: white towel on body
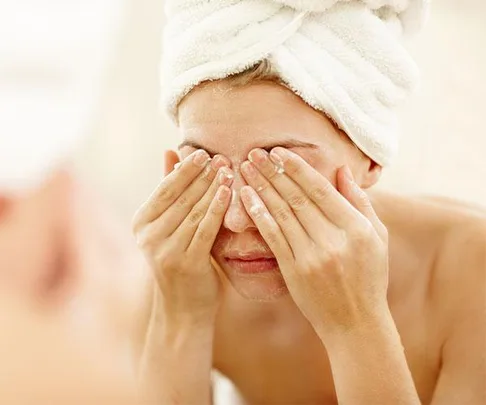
343, 57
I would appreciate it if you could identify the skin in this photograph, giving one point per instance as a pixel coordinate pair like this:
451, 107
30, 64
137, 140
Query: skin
54, 368
37, 274
371, 303
66, 298
62, 256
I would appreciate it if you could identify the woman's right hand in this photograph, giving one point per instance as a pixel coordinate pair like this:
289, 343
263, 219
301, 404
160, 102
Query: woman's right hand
176, 229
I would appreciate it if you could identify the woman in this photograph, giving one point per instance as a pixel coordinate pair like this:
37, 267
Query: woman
273, 261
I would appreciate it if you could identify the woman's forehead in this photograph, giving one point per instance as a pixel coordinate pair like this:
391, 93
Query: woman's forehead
235, 121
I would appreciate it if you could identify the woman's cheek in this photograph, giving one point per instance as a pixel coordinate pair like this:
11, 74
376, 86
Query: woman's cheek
322, 161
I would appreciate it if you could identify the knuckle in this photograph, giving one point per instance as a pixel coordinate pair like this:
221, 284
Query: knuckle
165, 193
271, 172
282, 214
207, 175
332, 257
164, 261
195, 216
167, 258
155, 205
298, 202
145, 239
272, 236
271, 232
362, 234
320, 193
294, 167
311, 264
182, 201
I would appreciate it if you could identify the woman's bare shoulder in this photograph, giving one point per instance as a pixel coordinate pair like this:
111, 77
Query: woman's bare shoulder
459, 229
429, 212
454, 231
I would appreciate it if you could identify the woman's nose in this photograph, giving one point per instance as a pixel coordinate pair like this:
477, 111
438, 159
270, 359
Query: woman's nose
237, 219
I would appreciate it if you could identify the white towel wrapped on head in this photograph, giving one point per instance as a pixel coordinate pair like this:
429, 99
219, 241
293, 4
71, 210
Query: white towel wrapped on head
343, 57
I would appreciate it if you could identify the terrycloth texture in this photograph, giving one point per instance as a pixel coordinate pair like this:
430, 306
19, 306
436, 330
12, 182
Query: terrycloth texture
343, 57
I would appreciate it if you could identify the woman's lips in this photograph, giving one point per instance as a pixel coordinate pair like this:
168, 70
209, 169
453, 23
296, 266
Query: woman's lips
253, 265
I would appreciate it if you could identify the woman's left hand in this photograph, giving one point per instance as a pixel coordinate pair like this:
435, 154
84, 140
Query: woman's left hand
330, 245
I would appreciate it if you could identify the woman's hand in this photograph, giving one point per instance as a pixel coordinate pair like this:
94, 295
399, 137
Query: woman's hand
330, 245
176, 229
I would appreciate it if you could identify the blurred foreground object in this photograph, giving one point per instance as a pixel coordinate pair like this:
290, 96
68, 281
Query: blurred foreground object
61, 251
43, 363
53, 56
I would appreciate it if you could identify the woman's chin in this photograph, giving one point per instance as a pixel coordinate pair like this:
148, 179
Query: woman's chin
259, 287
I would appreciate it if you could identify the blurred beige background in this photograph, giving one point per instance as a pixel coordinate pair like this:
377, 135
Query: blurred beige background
443, 147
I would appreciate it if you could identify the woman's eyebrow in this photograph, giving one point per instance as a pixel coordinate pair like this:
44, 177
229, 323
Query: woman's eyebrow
291, 143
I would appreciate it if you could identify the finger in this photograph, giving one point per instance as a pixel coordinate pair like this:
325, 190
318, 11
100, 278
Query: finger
178, 211
320, 190
186, 231
171, 188
219, 270
269, 173
266, 224
358, 198
279, 209
171, 159
209, 227
170, 222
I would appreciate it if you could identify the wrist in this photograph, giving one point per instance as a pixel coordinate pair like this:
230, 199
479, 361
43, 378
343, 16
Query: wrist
372, 327
365, 358
177, 336
177, 358
174, 317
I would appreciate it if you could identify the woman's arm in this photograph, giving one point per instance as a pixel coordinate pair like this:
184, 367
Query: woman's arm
176, 229
369, 365
177, 359
332, 250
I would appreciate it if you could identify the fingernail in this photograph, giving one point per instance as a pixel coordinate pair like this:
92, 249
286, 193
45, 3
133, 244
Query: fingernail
177, 165
257, 156
201, 158
218, 162
249, 169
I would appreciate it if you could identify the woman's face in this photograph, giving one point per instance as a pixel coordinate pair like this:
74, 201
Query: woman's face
233, 121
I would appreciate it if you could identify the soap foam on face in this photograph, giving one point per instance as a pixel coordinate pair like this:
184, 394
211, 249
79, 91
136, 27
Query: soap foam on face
279, 169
